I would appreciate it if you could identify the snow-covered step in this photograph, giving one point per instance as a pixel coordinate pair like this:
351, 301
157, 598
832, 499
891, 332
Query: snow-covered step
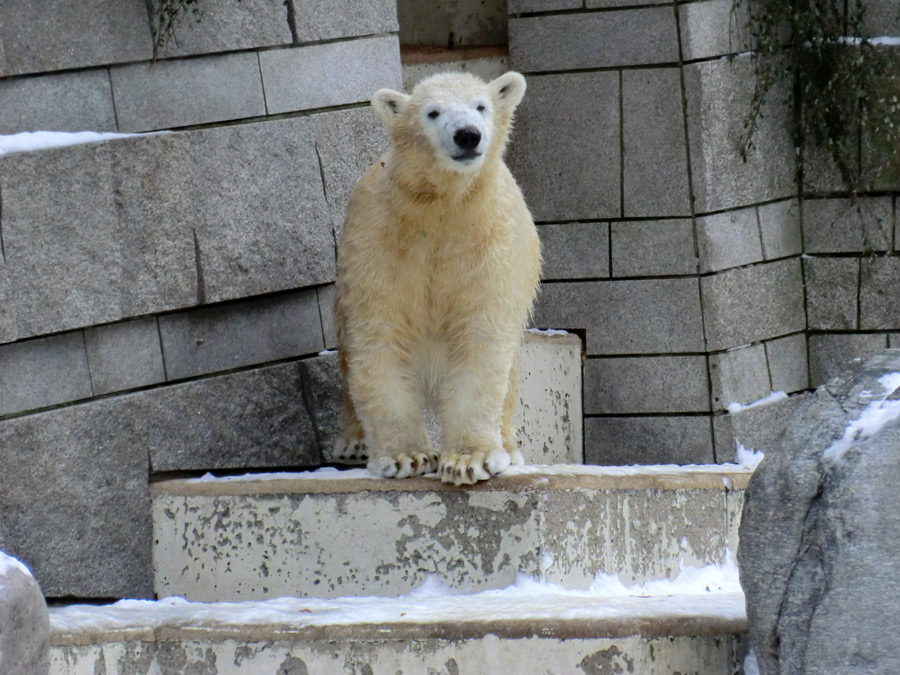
692, 625
328, 533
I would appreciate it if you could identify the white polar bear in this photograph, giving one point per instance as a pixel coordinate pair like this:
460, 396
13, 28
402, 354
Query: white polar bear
438, 268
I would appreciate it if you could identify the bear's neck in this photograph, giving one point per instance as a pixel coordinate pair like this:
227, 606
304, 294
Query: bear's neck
439, 188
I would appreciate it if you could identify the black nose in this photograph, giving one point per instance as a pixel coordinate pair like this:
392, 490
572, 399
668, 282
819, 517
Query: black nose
467, 138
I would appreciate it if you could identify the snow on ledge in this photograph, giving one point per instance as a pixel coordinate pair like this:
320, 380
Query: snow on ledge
29, 141
773, 397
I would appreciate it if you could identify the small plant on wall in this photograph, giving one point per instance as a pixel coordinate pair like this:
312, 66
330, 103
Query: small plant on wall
166, 14
844, 86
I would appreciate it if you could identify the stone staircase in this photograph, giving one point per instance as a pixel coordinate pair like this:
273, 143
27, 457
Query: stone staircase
549, 568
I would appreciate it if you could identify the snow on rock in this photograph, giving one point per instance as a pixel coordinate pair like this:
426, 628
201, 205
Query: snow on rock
877, 415
8, 563
773, 397
748, 458
712, 591
29, 141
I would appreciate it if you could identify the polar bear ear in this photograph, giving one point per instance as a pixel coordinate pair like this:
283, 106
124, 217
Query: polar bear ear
388, 105
508, 90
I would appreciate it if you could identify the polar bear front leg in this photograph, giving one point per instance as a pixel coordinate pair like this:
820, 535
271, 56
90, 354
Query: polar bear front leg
389, 410
471, 416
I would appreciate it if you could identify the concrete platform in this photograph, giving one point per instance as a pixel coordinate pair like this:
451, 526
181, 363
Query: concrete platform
328, 534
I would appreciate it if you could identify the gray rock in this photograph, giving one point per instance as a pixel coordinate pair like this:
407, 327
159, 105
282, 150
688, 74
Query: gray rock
713, 28
820, 534
461, 23
832, 292
788, 363
649, 384
739, 376
124, 355
729, 239
831, 353
779, 227
648, 440
575, 250
840, 226
878, 284
325, 296
24, 621
648, 248
757, 428
332, 19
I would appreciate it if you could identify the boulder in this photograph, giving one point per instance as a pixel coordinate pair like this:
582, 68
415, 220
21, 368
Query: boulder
820, 531
24, 621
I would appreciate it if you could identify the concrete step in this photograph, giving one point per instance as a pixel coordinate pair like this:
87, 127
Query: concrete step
694, 627
327, 533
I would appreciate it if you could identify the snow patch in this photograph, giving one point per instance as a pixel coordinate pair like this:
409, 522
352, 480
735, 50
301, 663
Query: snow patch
771, 398
748, 458
549, 332
877, 415
326, 352
325, 473
8, 563
29, 141
751, 666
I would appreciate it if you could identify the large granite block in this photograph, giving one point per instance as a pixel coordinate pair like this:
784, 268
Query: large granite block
757, 428
9, 331
325, 296
649, 384
655, 174
263, 223
575, 250
224, 337
729, 239
652, 316
250, 419
124, 355
831, 354
333, 19
74, 501
43, 372
749, 304
879, 283
225, 27
323, 398
839, 226
67, 102
718, 101
779, 227
185, 92
648, 440
739, 376
832, 292
62, 35
570, 174
317, 76
713, 28
576, 41
447, 25
647, 248
788, 363
96, 233
523, 6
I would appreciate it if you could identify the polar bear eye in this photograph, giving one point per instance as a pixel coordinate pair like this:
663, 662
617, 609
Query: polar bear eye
434, 114
480, 108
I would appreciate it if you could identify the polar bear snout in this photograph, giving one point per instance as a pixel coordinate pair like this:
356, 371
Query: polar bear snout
467, 138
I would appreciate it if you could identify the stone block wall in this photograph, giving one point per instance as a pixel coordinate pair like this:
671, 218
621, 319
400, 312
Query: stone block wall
164, 299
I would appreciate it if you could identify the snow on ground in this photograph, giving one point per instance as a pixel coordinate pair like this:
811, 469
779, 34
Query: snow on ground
874, 417
773, 397
712, 591
550, 332
42, 140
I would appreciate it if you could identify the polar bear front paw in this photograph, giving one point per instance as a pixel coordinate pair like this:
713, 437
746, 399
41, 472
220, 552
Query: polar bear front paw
350, 449
404, 465
469, 468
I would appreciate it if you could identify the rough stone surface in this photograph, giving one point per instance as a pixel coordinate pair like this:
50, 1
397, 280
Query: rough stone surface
83, 469
713, 652
227, 26
43, 372
124, 356
646, 248
779, 226
575, 175
240, 334
263, 223
718, 95
593, 40
69, 102
320, 379
748, 304
713, 28
96, 233
757, 428
818, 527
787, 358
831, 353
655, 174
521, 6
325, 296
185, 92
66, 35
316, 76
832, 292
651, 384
837, 226
652, 316
294, 538
331, 19
729, 239
575, 250
739, 376
878, 284
648, 440
462, 23
24, 621
8, 329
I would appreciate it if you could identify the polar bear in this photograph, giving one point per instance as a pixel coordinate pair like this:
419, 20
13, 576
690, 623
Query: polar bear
438, 267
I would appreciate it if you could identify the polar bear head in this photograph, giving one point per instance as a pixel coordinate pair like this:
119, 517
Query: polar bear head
455, 121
